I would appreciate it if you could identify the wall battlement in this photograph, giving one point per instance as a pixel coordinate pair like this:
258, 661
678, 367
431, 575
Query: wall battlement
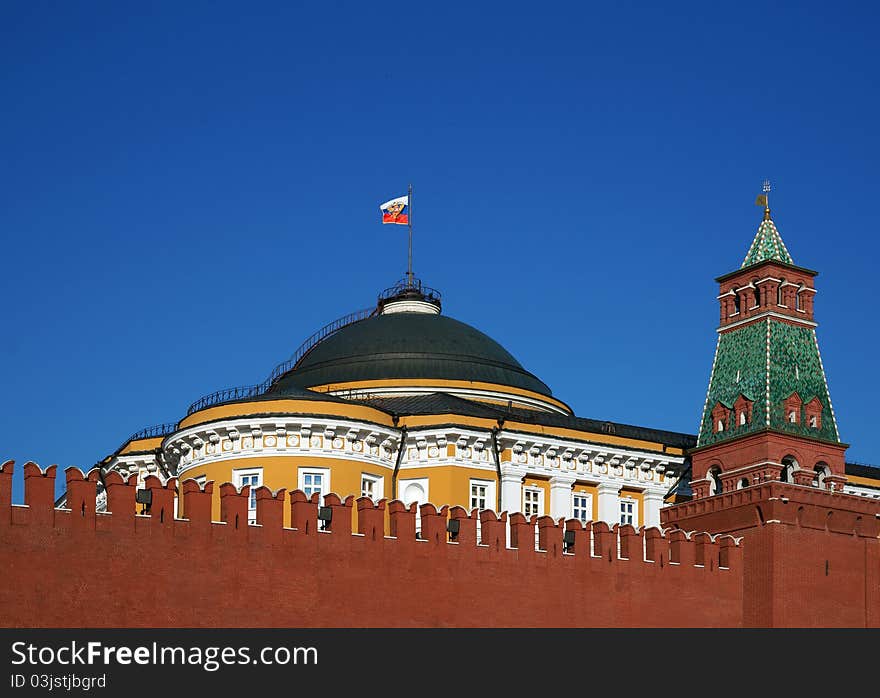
361, 519
75, 567
804, 559
782, 503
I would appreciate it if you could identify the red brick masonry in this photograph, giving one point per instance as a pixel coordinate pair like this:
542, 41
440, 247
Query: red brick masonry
75, 568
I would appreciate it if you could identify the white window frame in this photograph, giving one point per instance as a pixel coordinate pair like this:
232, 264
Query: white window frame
238, 476
325, 481
378, 483
588, 497
539, 500
490, 496
634, 514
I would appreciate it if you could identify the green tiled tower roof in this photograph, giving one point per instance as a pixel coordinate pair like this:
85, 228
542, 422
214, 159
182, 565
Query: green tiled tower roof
767, 244
766, 362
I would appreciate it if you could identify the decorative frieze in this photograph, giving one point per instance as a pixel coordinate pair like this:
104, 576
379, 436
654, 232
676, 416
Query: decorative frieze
199, 445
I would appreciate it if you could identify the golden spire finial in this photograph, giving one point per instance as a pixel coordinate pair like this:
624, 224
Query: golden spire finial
764, 200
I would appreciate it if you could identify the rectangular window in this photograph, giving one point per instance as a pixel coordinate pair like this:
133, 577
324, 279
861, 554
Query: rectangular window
478, 495
254, 478
481, 494
582, 506
371, 486
628, 512
314, 480
533, 501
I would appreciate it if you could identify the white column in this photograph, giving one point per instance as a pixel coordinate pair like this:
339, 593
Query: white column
511, 488
609, 503
653, 500
511, 492
560, 496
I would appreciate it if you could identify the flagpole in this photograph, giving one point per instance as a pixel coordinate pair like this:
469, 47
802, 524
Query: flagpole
409, 273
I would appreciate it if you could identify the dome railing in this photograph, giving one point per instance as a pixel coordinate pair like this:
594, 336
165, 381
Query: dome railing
247, 391
226, 395
317, 338
150, 433
403, 289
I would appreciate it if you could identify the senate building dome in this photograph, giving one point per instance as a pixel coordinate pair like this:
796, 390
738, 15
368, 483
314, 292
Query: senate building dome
407, 347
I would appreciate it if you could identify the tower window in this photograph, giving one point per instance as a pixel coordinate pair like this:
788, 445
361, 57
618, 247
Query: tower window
742, 411
792, 408
715, 485
723, 417
813, 410
789, 466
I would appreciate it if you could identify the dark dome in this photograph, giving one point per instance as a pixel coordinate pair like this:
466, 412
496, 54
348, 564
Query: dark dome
408, 345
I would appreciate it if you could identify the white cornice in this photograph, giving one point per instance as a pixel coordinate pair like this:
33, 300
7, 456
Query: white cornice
767, 314
336, 439
466, 393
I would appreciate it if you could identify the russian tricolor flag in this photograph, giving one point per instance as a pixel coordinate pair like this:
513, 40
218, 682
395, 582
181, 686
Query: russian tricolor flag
396, 211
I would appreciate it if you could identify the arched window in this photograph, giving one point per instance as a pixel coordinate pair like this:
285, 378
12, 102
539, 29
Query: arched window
789, 465
813, 410
742, 418
743, 483
822, 471
779, 295
755, 298
721, 417
715, 486
792, 406
736, 303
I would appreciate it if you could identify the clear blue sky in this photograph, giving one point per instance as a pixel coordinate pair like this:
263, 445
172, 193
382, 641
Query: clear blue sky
189, 190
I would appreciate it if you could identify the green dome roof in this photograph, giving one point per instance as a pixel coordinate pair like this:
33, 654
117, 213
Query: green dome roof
408, 345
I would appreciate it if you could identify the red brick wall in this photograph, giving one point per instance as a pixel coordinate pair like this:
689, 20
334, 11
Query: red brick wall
811, 558
808, 558
76, 568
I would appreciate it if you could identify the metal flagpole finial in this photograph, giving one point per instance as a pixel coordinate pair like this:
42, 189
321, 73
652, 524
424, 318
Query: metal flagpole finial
409, 271
764, 200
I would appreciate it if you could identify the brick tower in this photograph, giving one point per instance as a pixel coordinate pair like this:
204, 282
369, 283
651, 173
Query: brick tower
768, 413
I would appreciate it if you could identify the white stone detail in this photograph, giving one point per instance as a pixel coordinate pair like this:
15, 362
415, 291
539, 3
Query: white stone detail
410, 306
